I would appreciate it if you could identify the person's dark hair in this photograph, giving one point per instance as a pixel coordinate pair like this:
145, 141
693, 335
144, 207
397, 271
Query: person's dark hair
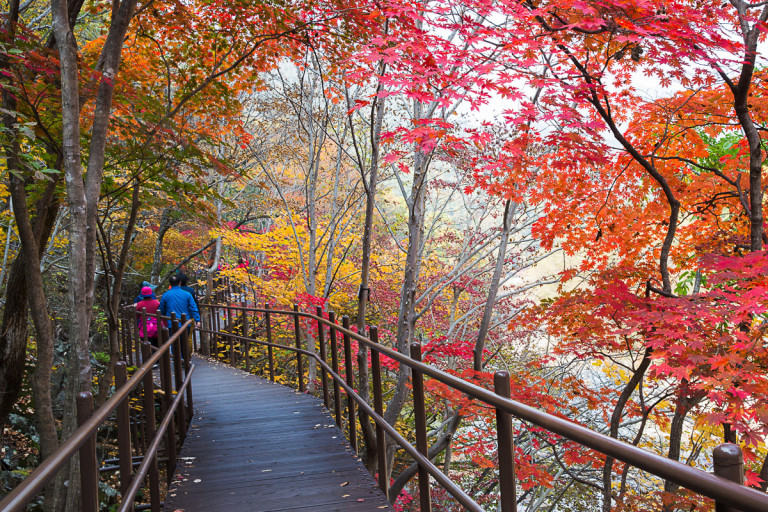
174, 280
182, 278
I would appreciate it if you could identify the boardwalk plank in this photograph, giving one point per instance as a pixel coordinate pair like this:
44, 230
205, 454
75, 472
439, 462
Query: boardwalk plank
258, 446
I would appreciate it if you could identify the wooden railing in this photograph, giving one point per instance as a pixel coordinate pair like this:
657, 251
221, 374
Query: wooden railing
234, 329
140, 433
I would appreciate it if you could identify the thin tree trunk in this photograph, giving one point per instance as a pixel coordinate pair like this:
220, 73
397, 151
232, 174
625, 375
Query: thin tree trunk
8, 237
740, 91
46, 334
26, 278
509, 212
205, 337
166, 222
618, 412
113, 301
684, 405
377, 115
442, 444
407, 314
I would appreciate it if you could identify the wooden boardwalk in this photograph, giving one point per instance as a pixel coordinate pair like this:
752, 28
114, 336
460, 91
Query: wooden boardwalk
259, 446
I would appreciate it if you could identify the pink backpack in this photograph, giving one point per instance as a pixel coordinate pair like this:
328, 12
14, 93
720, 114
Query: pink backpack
151, 328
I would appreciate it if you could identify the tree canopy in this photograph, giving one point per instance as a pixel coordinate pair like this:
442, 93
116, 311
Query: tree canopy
570, 190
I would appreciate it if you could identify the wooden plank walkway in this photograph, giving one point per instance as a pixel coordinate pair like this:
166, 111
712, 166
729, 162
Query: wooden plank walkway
259, 446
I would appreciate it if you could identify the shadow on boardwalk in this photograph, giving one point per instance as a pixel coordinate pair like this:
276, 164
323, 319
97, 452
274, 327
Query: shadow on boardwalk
259, 446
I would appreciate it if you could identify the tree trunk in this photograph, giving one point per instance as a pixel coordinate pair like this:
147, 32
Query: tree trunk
46, 334
684, 405
83, 194
377, 113
740, 91
13, 333
166, 222
407, 314
443, 444
618, 412
113, 300
26, 279
509, 212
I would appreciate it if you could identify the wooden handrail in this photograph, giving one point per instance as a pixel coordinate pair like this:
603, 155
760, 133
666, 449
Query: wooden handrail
26, 491
719, 489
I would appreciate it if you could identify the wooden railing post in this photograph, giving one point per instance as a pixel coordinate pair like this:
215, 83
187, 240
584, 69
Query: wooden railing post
421, 429
89, 470
187, 368
136, 342
149, 429
297, 331
215, 334
123, 420
128, 340
728, 462
205, 339
270, 353
124, 345
143, 328
351, 383
165, 380
231, 330
506, 446
378, 406
178, 380
335, 366
323, 357
246, 334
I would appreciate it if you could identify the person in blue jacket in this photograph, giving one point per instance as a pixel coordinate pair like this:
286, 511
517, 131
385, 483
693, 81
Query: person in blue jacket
180, 302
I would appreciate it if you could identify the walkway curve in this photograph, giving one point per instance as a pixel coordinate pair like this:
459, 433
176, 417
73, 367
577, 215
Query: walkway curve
259, 446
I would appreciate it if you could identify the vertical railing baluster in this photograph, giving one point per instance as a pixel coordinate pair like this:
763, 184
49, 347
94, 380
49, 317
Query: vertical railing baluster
205, 341
143, 327
135, 449
89, 469
149, 429
378, 406
335, 366
121, 337
127, 339
178, 379
215, 333
167, 385
421, 429
297, 331
246, 333
270, 352
351, 383
132, 355
231, 331
321, 341
187, 367
136, 343
123, 420
141, 417
728, 461
506, 446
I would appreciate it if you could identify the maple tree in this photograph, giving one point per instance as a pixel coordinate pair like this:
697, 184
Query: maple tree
261, 129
